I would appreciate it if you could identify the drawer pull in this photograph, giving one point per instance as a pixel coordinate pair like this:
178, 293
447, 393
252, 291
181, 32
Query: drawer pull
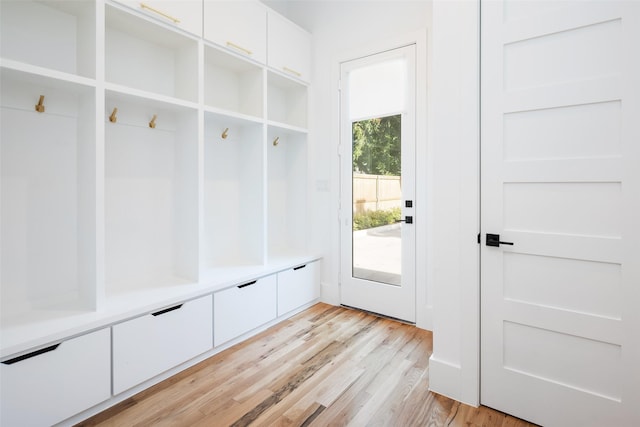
247, 284
30, 355
159, 12
166, 310
299, 267
240, 48
290, 71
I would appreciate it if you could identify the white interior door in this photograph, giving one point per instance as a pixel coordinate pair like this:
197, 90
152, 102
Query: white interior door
561, 185
378, 183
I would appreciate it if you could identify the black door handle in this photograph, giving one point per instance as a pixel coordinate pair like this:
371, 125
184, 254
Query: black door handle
407, 219
494, 240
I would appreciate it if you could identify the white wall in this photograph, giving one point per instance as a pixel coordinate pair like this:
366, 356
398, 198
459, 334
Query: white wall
344, 30
447, 161
454, 107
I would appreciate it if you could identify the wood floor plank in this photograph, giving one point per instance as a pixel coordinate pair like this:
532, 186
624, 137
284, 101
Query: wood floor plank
327, 366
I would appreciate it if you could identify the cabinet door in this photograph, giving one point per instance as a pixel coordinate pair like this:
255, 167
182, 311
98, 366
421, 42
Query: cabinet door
242, 308
149, 345
298, 286
183, 14
50, 385
240, 26
289, 47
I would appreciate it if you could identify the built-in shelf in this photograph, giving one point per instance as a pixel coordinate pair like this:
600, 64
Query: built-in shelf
57, 35
286, 101
144, 55
232, 84
149, 176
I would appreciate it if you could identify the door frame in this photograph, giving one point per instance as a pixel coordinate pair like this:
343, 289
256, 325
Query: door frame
423, 174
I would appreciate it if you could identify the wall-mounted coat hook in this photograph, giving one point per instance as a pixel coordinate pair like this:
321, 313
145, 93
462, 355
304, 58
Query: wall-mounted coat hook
225, 133
276, 141
40, 105
113, 118
152, 123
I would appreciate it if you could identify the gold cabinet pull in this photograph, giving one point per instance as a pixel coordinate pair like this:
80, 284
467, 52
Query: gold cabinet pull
113, 117
276, 141
290, 71
159, 12
240, 48
225, 133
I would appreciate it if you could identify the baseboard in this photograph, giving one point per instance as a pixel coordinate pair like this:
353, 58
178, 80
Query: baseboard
445, 378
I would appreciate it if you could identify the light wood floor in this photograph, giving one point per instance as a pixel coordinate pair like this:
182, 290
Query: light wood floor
328, 366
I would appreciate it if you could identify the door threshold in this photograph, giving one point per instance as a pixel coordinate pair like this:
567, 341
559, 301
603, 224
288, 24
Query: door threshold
379, 314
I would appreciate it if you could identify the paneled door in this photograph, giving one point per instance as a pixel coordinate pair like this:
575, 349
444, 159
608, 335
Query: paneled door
378, 104
560, 106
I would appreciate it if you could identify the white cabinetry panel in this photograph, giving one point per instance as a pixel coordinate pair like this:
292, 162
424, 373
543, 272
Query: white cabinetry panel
53, 385
242, 308
289, 47
183, 14
239, 26
149, 345
298, 286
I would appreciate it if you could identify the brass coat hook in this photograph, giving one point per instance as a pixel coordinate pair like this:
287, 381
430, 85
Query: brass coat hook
113, 118
40, 105
276, 141
152, 123
225, 133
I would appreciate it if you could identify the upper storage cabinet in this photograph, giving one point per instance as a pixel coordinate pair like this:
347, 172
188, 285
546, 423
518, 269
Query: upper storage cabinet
289, 47
240, 26
57, 35
145, 56
183, 14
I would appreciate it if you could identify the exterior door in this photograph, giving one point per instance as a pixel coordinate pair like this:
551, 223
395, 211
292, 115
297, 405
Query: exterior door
560, 105
378, 183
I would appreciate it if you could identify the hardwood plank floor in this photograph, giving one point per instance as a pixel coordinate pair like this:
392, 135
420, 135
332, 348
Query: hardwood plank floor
327, 366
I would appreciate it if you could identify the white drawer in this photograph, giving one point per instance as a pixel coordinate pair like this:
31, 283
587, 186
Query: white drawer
242, 308
53, 384
149, 345
298, 286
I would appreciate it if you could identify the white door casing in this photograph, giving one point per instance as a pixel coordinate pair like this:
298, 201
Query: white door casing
560, 135
390, 300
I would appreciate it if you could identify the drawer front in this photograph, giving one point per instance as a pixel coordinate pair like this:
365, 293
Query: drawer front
242, 308
183, 14
53, 385
298, 286
239, 26
289, 48
149, 345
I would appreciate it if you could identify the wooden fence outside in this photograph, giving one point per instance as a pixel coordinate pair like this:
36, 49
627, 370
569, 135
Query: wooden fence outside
376, 192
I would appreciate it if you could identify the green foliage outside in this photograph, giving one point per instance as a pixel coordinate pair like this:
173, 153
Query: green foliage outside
376, 146
370, 219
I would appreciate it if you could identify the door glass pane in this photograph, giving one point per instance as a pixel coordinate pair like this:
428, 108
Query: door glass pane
377, 198
377, 98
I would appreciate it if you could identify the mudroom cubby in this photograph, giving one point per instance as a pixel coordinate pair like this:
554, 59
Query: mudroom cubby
48, 194
56, 35
150, 57
233, 192
286, 190
286, 101
151, 181
232, 85
142, 168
